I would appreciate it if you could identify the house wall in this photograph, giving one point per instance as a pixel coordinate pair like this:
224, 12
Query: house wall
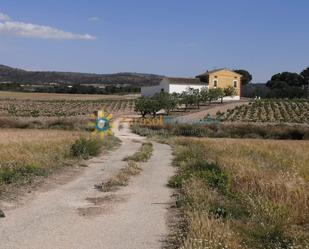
225, 78
179, 88
149, 91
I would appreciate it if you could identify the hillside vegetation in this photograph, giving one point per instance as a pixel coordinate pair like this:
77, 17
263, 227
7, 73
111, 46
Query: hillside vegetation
250, 194
14, 75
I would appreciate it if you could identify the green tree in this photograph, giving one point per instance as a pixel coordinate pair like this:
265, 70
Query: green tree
204, 95
215, 94
143, 106
246, 76
167, 101
190, 97
229, 91
291, 79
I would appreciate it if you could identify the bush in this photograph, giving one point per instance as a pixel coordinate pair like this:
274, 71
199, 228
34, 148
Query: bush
10, 174
84, 148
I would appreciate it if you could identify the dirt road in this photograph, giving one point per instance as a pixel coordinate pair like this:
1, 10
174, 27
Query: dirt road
212, 111
77, 216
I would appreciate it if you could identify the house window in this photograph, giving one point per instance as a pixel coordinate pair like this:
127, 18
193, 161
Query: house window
162, 90
235, 83
215, 83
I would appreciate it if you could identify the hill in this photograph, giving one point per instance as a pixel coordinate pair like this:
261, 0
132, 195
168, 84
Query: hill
19, 76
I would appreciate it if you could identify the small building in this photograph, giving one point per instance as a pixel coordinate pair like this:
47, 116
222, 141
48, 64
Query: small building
220, 78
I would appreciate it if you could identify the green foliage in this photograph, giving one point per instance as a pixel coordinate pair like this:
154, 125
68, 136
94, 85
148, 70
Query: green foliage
229, 91
246, 76
147, 106
84, 148
167, 101
10, 174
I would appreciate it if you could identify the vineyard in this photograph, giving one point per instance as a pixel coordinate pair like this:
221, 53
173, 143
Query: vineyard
269, 111
62, 108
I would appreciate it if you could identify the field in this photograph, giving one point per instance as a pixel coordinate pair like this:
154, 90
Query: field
269, 111
242, 193
62, 108
27, 153
61, 96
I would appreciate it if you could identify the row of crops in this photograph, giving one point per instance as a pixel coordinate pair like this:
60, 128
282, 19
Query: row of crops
272, 111
62, 108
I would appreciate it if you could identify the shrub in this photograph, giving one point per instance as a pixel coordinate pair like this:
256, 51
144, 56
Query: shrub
84, 148
10, 174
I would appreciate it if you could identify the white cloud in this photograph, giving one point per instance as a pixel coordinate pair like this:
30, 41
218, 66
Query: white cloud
30, 30
94, 19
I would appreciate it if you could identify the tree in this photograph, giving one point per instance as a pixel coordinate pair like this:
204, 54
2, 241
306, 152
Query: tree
190, 97
204, 95
167, 101
143, 106
229, 91
246, 76
291, 79
305, 74
215, 94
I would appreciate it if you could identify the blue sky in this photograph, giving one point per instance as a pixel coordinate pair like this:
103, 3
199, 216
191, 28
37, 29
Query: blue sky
168, 37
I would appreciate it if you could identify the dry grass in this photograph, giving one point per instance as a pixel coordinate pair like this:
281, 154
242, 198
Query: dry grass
62, 96
26, 153
242, 193
29, 154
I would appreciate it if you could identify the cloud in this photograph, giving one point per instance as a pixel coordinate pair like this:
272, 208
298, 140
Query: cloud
30, 30
94, 19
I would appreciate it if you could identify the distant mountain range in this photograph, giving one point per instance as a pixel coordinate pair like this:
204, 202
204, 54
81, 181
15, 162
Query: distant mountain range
19, 76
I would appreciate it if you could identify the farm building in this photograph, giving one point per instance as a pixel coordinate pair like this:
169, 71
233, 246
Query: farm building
211, 79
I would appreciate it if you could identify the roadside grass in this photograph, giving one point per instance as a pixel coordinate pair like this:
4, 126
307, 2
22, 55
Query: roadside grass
27, 155
133, 168
63, 123
241, 193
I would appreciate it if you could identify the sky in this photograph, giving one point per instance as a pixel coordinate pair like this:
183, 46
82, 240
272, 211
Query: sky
180, 38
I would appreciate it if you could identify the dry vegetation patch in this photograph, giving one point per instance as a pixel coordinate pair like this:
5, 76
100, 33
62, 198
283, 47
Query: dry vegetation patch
242, 193
25, 154
133, 168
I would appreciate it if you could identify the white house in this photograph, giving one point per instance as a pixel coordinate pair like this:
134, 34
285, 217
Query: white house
173, 85
211, 79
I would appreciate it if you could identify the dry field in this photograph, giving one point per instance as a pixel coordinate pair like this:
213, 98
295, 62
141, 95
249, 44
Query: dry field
26, 153
247, 193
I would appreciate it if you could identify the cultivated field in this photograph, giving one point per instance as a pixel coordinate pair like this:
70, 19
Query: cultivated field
242, 193
62, 108
270, 111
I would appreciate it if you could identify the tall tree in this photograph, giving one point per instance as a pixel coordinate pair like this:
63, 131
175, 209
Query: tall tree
246, 76
291, 79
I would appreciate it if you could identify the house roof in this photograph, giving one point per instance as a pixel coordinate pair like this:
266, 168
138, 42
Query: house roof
192, 81
216, 70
